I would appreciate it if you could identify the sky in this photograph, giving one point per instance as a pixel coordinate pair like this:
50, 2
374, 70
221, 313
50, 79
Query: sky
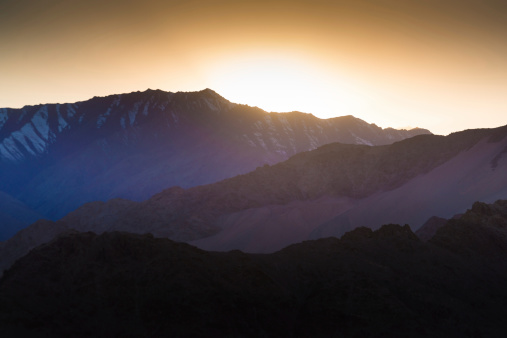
436, 64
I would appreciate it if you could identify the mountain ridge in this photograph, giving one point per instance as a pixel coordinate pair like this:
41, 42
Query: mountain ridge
55, 158
308, 196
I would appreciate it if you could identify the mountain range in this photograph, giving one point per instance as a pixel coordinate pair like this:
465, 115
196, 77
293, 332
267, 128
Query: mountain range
382, 283
56, 157
316, 194
294, 226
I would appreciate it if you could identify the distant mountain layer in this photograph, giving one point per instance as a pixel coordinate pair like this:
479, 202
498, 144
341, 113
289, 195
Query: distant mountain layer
406, 182
477, 173
56, 157
14, 214
383, 283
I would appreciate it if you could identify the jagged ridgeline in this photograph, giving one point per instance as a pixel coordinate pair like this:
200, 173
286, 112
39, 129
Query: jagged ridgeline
383, 283
56, 157
320, 193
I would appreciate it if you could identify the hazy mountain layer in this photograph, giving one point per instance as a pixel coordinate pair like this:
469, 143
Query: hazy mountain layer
348, 176
412, 181
384, 283
478, 173
311, 194
56, 157
14, 214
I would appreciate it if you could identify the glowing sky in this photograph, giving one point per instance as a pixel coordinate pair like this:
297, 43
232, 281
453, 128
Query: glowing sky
436, 64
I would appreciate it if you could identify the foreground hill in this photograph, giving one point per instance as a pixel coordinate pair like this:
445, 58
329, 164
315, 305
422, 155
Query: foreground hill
383, 283
56, 157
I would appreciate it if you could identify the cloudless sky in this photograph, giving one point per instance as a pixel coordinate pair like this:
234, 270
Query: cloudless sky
437, 64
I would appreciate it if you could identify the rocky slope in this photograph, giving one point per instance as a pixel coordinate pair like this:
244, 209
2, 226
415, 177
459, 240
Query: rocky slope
56, 157
383, 283
325, 192
430, 227
309, 196
479, 173
42, 231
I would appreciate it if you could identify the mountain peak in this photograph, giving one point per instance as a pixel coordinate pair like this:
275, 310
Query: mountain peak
153, 140
209, 92
206, 93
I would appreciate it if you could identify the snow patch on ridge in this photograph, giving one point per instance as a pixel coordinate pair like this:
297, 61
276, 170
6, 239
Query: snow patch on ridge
360, 140
261, 141
29, 132
133, 113
269, 122
146, 106
28, 137
314, 142
258, 125
33, 137
103, 117
285, 124
71, 110
6, 154
211, 105
62, 124
9, 151
275, 142
250, 142
40, 122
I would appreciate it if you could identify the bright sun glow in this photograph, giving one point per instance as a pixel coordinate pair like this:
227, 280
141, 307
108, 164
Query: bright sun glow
282, 84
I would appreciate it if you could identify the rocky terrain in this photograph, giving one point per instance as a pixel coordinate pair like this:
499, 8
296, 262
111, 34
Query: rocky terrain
430, 227
383, 283
339, 171
56, 157
321, 193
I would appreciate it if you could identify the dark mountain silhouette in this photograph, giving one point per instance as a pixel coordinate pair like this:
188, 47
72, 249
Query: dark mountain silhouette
430, 227
383, 283
56, 157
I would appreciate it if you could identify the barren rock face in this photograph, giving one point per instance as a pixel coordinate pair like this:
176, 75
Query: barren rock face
56, 157
481, 230
325, 192
340, 171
